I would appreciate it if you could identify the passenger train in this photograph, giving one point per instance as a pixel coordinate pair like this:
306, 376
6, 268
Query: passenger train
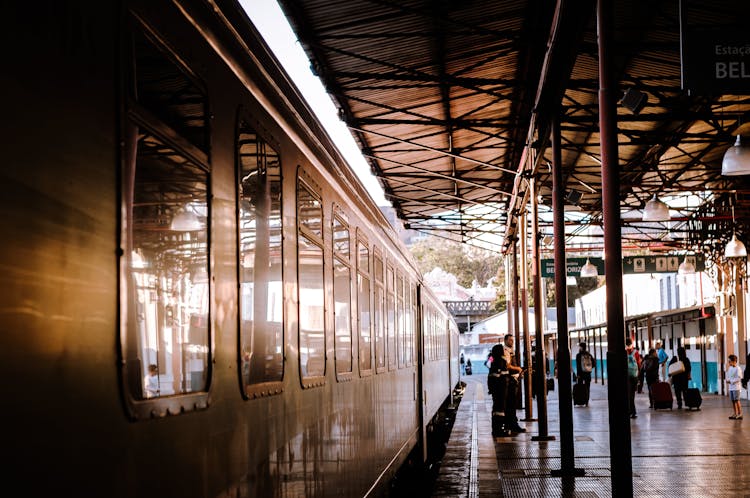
199, 297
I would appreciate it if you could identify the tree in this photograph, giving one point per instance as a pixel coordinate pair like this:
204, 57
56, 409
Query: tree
467, 263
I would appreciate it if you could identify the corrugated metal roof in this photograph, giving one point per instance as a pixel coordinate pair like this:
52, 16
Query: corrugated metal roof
446, 99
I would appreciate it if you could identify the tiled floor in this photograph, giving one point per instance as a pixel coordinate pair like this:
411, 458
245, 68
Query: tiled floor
676, 453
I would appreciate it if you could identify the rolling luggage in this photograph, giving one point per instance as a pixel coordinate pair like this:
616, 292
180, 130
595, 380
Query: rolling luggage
581, 394
662, 395
693, 398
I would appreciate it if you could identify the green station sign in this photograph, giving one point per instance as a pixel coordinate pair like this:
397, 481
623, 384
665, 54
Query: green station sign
573, 266
631, 265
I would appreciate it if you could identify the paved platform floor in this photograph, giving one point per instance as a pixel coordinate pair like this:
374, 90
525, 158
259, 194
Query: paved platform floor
676, 453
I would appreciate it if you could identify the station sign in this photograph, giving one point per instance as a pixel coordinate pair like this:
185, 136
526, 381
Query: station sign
659, 264
573, 266
715, 61
631, 265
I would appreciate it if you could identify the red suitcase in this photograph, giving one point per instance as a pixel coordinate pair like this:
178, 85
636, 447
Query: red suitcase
661, 393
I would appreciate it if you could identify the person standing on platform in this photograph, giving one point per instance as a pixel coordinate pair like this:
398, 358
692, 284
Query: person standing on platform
746, 375
632, 375
734, 379
680, 380
497, 384
462, 361
513, 373
663, 357
468, 366
650, 371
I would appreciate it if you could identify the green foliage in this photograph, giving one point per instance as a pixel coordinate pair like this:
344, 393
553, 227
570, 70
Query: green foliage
467, 263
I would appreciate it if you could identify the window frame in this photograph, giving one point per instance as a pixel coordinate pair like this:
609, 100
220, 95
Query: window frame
267, 388
304, 179
135, 116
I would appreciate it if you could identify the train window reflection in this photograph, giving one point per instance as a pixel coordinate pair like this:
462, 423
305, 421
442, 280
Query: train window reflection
378, 312
166, 304
342, 295
260, 260
309, 211
310, 285
390, 305
164, 267
363, 307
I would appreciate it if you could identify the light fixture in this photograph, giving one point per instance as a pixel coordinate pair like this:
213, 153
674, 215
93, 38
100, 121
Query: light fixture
589, 269
185, 221
655, 210
735, 248
736, 159
686, 267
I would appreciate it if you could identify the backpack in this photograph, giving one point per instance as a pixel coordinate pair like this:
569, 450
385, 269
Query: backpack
632, 366
587, 362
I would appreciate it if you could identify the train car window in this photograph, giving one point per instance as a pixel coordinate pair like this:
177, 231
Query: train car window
259, 263
410, 312
309, 212
390, 305
413, 324
378, 312
342, 297
164, 264
310, 286
401, 336
363, 306
168, 90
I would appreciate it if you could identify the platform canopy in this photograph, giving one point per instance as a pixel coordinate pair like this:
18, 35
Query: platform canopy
451, 103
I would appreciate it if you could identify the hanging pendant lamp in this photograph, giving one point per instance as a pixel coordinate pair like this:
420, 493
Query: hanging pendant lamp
736, 159
655, 210
589, 269
735, 248
186, 221
686, 267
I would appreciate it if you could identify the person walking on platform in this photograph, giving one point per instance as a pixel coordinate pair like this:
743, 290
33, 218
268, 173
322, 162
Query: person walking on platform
734, 379
585, 364
680, 375
663, 357
632, 376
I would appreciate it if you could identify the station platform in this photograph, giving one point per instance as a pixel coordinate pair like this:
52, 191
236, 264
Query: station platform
677, 453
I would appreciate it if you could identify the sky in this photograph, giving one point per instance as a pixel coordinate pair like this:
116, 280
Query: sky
270, 21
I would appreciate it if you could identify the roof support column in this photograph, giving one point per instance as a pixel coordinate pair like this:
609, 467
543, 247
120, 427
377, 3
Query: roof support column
619, 422
567, 443
540, 378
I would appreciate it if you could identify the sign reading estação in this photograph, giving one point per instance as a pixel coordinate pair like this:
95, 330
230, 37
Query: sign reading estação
715, 61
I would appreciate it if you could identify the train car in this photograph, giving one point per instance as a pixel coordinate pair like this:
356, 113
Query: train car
200, 299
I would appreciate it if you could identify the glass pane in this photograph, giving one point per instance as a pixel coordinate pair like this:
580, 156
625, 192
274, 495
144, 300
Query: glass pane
400, 320
169, 93
259, 225
378, 326
309, 210
364, 258
365, 343
342, 315
391, 319
311, 316
378, 264
167, 299
340, 239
